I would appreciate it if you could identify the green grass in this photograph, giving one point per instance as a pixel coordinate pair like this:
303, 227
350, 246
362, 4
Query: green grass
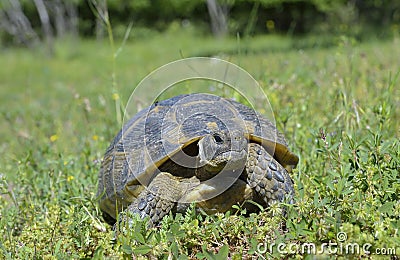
338, 106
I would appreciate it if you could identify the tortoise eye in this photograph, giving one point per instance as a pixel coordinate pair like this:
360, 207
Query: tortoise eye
218, 138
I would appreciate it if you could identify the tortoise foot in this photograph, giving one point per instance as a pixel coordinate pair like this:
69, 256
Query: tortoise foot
269, 179
161, 196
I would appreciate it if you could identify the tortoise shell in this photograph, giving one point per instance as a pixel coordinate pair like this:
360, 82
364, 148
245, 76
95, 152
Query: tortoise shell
155, 135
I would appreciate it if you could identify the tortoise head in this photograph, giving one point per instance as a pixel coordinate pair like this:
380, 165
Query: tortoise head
221, 150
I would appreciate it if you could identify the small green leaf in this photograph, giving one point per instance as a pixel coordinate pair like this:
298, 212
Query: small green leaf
126, 249
139, 237
316, 199
208, 255
57, 247
141, 250
330, 185
223, 253
183, 257
98, 253
340, 186
387, 207
175, 228
174, 249
253, 246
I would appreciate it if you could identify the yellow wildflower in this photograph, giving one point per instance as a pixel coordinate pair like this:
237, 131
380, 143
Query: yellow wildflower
70, 178
54, 138
115, 96
95, 137
270, 24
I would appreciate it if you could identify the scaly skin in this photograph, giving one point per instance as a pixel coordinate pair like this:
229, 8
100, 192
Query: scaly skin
162, 195
270, 181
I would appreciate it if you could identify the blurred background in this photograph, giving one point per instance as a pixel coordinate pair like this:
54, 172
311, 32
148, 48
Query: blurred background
27, 22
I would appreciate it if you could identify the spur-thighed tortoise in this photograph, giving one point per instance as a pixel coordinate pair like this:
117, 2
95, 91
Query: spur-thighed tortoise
194, 148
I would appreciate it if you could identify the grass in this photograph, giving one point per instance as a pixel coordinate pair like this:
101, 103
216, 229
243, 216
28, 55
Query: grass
338, 107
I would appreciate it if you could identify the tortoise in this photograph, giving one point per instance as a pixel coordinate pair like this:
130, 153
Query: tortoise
198, 148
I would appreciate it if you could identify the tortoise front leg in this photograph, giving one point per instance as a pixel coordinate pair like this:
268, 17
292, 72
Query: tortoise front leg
269, 179
160, 196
